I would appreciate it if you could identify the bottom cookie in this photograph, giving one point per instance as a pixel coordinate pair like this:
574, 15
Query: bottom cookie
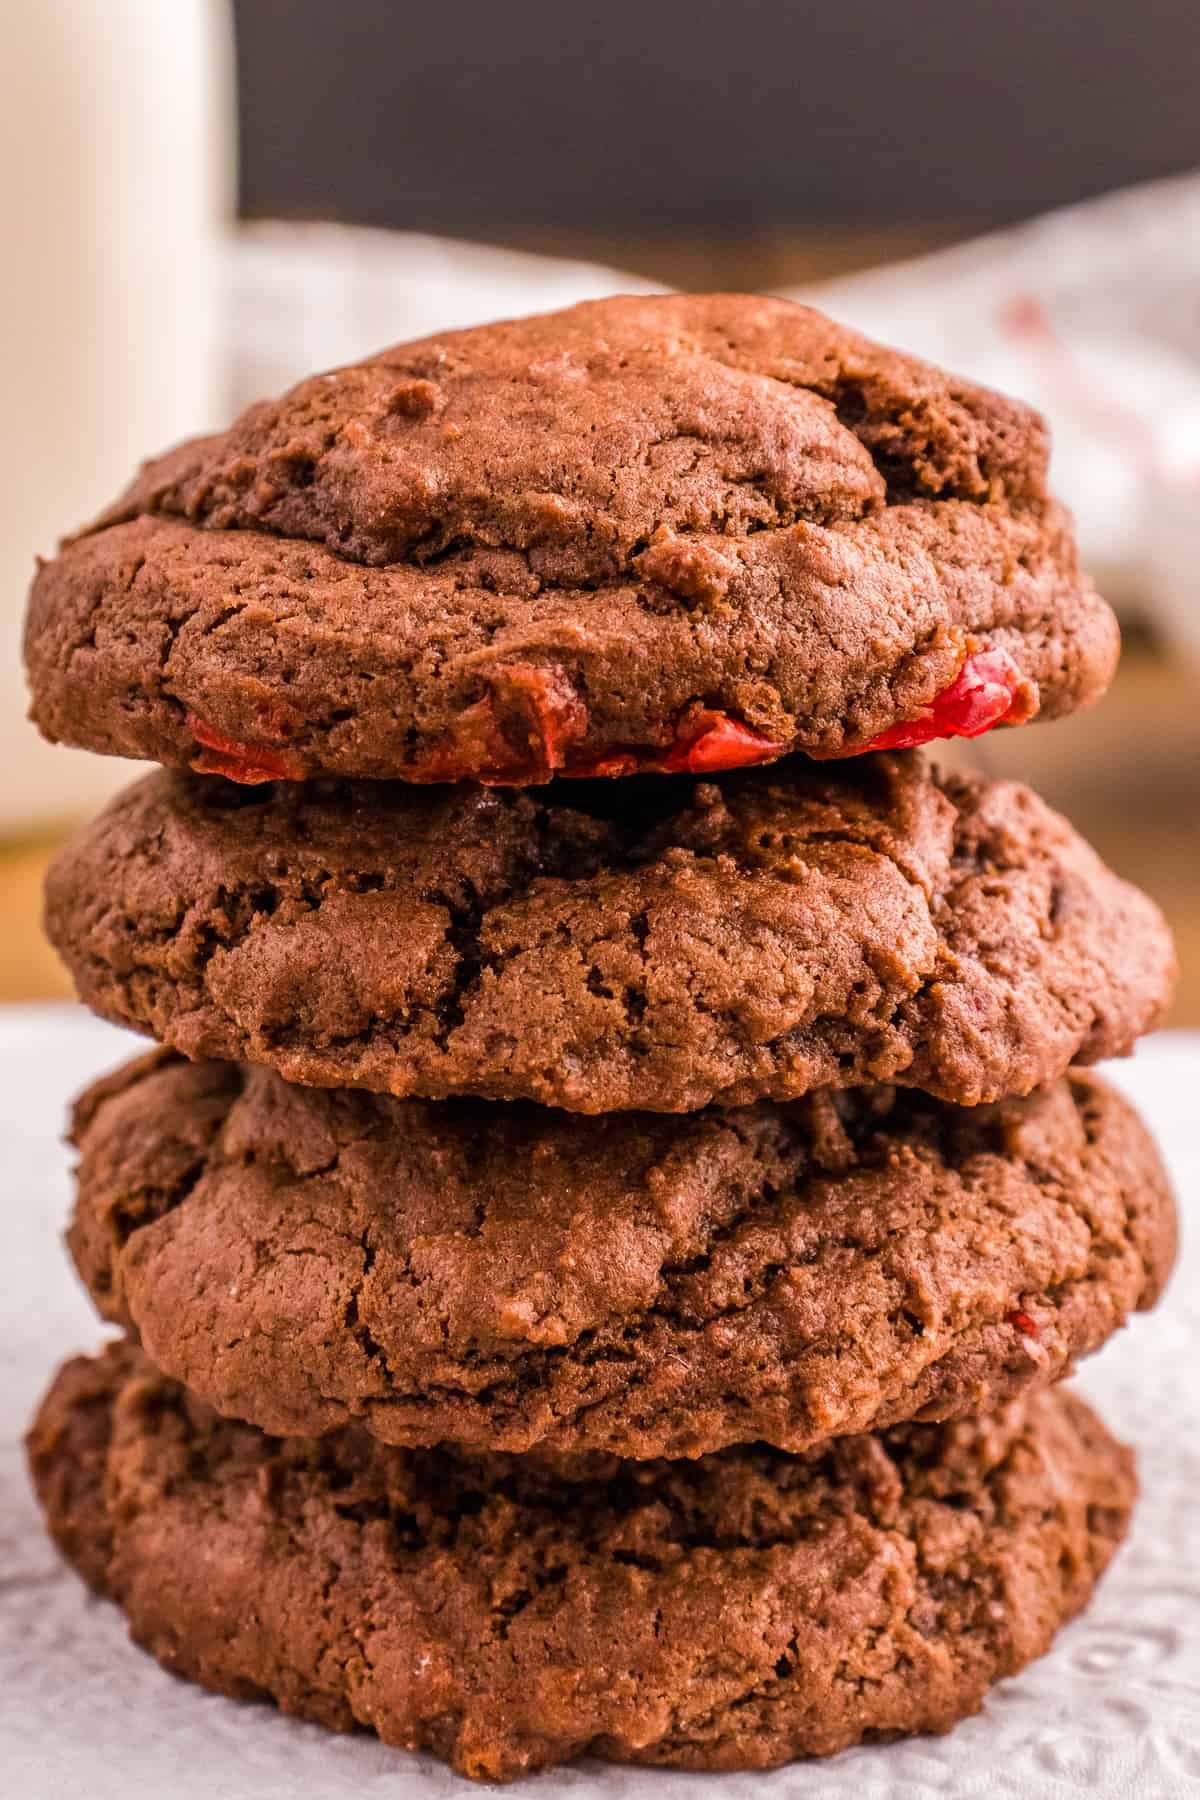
511, 1612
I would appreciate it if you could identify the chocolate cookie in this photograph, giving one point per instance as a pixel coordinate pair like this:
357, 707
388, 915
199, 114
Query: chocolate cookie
638, 1284
679, 533
650, 944
509, 1613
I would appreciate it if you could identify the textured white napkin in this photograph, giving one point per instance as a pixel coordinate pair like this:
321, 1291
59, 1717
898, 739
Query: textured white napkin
1113, 1712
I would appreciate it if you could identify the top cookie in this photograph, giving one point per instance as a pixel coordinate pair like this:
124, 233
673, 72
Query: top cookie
676, 533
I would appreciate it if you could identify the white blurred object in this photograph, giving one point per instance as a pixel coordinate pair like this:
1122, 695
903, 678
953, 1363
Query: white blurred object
115, 183
1093, 314
305, 297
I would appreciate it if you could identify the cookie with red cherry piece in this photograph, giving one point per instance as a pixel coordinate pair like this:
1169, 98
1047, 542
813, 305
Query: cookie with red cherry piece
673, 534
517, 1278
509, 1613
651, 944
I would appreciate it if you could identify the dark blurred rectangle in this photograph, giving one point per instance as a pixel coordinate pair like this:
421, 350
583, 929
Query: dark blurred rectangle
676, 117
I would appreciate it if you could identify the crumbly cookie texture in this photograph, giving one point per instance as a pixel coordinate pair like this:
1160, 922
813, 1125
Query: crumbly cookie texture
509, 1613
644, 1285
680, 533
651, 944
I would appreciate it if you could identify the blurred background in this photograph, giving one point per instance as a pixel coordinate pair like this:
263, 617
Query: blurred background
204, 202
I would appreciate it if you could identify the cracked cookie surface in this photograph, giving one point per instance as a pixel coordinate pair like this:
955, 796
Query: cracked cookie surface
652, 944
510, 1613
504, 1277
685, 532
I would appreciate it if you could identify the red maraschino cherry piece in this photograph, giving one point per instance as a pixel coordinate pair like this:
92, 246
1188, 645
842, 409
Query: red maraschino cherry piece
558, 718
542, 717
714, 742
238, 760
706, 741
986, 690
608, 766
1022, 1322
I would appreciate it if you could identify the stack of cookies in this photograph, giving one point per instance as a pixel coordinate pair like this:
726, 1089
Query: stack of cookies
619, 1185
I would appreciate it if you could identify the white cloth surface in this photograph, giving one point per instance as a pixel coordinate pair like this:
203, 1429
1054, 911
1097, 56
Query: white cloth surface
1113, 1712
